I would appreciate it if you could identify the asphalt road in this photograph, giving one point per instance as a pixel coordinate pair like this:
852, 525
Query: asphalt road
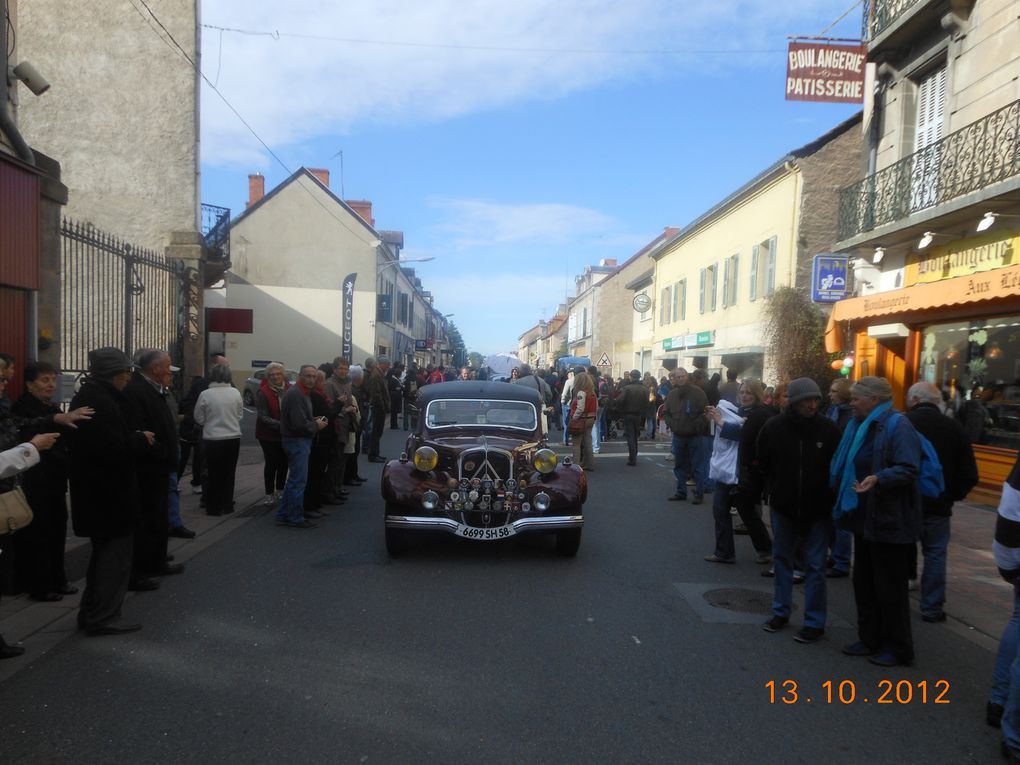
283, 645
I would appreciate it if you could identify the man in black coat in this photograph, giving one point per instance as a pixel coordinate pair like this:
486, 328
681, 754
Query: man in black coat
104, 489
631, 404
147, 393
959, 468
794, 452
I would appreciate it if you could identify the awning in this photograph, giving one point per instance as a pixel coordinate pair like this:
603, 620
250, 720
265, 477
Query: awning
978, 288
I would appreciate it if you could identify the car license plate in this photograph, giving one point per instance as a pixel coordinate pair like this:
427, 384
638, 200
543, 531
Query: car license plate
492, 532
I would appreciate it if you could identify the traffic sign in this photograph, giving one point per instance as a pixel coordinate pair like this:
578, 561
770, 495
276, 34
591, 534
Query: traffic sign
604, 361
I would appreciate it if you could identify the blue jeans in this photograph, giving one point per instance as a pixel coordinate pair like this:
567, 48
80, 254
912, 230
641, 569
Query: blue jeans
707, 444
1011, 716
688, 461
814, 542
842, 549
173, 503
596, 432
566, 416
292, 502
934, 544
1008, 645
651, 426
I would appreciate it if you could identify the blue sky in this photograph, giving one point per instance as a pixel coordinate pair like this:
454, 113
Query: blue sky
515, 143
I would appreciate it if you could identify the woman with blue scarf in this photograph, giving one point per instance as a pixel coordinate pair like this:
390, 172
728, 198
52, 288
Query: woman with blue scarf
874, 474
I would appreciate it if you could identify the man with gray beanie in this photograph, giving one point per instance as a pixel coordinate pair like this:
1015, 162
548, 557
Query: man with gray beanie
631, 403
794, 452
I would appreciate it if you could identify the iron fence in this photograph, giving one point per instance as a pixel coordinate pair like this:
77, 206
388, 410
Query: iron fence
985, 152
880, 14
117, 294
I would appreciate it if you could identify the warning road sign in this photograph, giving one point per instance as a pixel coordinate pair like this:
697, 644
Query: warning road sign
604, 361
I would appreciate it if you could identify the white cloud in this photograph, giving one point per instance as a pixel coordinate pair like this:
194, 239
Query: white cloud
393, 66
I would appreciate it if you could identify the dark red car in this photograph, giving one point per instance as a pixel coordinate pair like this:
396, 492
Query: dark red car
478, 466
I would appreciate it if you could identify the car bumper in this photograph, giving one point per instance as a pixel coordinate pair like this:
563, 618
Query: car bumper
520, 526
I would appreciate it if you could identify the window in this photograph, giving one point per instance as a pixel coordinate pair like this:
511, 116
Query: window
763, 269
645, 315
403, 309
931, 105
584, 322
709, 278
664, 303
729, 290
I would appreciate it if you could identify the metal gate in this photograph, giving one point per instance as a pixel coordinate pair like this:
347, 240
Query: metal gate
117, 294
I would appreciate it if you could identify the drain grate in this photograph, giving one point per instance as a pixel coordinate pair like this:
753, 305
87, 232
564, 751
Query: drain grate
740, 600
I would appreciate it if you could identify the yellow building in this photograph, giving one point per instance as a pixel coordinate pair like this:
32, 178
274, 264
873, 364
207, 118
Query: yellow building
713, 277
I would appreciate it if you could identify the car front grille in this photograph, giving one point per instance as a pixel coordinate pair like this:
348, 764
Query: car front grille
485, 463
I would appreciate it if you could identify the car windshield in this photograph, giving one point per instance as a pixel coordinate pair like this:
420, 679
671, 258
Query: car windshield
480, 413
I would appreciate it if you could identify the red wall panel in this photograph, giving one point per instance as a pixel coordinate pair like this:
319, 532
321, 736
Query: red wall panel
13, 331
19, 226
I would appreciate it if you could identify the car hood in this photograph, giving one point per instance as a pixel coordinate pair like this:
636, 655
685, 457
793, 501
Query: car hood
463, 441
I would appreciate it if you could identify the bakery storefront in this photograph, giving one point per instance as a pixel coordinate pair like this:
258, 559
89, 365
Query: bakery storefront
954, 323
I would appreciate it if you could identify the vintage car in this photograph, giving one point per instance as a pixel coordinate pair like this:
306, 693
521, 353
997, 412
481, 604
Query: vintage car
477, 466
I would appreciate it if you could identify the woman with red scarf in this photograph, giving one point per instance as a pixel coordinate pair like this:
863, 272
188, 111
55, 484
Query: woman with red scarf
267, 431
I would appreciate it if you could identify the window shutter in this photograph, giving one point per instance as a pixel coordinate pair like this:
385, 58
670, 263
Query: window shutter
931, 106
734, 281
715, 283
770, 269
726, 283
683, 300
664, 307
676, 300
701, 297
753, 291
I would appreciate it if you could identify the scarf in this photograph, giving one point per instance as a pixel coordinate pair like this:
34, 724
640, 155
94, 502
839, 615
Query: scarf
278, 389
841, 471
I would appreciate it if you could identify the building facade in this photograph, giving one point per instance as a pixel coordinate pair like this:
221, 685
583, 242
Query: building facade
582, 339
933, 219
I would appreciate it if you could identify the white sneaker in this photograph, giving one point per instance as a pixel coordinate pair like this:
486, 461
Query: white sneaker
196, 489
269, 500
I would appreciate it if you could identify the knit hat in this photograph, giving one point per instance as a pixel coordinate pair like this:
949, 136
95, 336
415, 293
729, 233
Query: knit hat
635, 374
105, 363
802, 388
873, 387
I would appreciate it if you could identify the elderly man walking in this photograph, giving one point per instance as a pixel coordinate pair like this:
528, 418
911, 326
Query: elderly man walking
959, 469
631, 403
298, 427
378, 401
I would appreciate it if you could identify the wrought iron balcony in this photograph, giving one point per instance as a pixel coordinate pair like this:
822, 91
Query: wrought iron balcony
975, 157
216, 229
879, 15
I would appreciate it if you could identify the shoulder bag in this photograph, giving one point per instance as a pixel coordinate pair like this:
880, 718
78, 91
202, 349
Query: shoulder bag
15, 513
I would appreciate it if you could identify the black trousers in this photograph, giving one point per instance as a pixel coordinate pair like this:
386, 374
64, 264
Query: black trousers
881, 571
318, 462
274, 467
194, 450
40, 545
631, 430
378, 425
395, 399
107, 580
151, 535
220, 459
335, 470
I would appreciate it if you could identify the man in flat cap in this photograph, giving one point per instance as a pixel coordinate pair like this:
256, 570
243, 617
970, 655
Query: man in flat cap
104, 489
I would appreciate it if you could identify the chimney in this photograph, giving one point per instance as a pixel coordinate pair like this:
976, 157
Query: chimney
256, 188
322, 175
363, 208
608, 262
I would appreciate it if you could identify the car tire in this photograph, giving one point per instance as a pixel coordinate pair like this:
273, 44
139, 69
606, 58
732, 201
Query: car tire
567, 542
249, 400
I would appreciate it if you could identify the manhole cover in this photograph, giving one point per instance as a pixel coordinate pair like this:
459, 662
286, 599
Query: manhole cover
740, 600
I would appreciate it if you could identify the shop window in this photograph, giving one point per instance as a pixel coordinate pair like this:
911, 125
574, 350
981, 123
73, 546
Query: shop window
976, 365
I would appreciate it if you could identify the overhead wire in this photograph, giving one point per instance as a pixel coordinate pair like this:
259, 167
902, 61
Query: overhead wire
266, 146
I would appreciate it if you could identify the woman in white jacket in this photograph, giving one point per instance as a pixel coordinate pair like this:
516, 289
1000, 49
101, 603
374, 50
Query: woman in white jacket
219, 410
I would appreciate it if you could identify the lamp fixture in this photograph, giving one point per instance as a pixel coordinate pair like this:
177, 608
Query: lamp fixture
928, 237
988, 220
879, 254
402, 261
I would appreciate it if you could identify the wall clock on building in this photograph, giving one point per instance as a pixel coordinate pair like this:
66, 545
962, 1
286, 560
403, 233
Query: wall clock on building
642, 302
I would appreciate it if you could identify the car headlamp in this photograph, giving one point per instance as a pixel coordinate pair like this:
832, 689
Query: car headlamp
545, 461
425, 458
430, 500
541, 501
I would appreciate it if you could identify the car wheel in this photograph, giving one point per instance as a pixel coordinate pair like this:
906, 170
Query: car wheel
249, 400
396, 539
567, 542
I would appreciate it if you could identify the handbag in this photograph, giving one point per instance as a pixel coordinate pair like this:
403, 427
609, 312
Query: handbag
15, 513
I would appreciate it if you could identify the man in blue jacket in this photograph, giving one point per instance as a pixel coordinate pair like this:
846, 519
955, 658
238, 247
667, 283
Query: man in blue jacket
877, 497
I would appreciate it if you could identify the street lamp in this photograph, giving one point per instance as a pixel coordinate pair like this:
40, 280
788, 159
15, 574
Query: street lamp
402, 261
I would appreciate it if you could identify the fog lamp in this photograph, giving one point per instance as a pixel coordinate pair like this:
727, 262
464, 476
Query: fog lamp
425, 458
542, 501
430, 500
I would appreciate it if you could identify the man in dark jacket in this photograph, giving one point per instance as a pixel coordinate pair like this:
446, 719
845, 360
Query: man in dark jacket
379, 403
794, 451
685, 416
298, 426
104, 489
147, 393
631, 405
959, 468
875, 476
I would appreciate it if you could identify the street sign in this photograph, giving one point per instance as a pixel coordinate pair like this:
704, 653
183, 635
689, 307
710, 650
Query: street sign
828, 278
604, 361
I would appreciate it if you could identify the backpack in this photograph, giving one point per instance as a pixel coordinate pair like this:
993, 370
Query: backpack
930, 480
